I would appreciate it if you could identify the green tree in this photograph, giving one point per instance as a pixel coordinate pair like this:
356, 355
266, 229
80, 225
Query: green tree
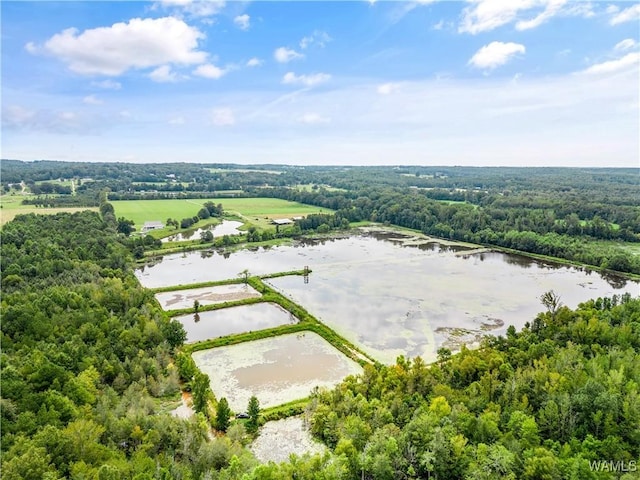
245, 275
253, 409
551, 301
125, 226
206, 236
223, 415
175, 333
201, 392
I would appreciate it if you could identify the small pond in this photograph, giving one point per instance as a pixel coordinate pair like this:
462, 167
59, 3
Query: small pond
276, 370
226, 321
205, 295
227, 227
281, 438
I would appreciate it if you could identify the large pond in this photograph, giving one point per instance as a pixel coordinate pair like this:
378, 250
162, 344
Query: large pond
393, 294
227, 227
276, 370
245, 318
205, 295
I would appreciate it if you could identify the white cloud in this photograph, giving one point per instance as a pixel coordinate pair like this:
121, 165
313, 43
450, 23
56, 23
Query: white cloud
209, 71
626, 44
243, 22
177, 121
551, 9
495, 54
55, 121
285, 55
318, 38
164, 74
254, 62
630, 60
31, 48
291, 78
195, 8
222, 117
626, 15
313, 119
486, 15
92, 100
107, 84
387, 88
140, 43
16, 116
439, 25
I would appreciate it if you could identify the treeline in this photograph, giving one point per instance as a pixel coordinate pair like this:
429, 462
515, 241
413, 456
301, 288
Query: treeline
526, 229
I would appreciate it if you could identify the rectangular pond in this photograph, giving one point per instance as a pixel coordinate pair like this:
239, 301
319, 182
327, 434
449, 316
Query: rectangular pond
205, 295
226, 321
394, 294
276, 370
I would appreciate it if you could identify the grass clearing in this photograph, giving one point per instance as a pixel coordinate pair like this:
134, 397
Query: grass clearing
258, 211
11, 205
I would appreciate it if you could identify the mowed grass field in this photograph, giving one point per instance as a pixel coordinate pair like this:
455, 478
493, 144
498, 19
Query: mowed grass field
259, 211
12, 206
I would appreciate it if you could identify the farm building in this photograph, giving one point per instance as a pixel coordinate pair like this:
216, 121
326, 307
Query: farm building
154, 225
282, 221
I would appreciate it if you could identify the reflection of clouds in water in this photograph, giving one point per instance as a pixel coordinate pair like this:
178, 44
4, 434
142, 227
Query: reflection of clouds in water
240, 319
363, 287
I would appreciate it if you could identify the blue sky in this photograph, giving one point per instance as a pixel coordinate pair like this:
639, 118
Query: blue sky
483, 82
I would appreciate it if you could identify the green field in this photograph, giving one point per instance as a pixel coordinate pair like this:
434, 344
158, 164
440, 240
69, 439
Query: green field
12, 206
258, 211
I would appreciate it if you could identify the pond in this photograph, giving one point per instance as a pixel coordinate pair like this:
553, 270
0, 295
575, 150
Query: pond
244, 318
206, 296
227, 227
281, 438
393, 294
276, 370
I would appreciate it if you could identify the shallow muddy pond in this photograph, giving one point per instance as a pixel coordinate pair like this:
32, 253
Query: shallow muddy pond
205, 295
226, 321
227, 227
279, 439
276, 370
392, 294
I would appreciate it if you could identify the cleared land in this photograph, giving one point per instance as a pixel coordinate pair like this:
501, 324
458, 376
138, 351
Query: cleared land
254, 210
12, 206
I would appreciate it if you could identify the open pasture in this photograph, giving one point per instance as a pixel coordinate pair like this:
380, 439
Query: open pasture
252, 210
12, 206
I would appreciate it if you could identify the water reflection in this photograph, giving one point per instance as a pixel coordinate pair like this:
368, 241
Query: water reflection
245, 318
227, 227
391, 299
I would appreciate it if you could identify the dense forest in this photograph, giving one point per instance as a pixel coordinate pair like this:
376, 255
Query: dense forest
91, 365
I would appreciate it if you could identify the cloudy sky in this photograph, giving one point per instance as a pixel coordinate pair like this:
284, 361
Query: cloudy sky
482, 82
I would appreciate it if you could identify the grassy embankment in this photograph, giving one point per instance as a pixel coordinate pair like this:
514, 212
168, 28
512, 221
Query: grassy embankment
306, 321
